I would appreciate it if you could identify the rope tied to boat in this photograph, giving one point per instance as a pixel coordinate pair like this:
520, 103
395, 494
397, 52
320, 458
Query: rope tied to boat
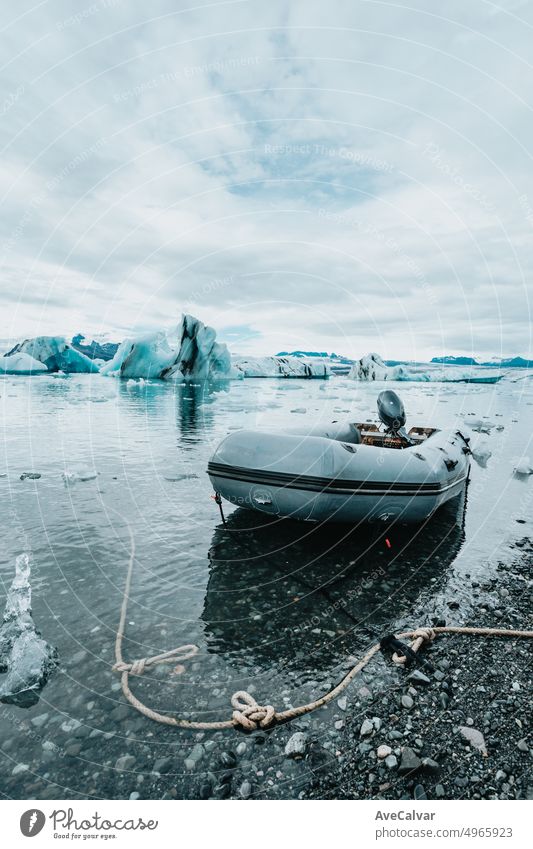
248, 714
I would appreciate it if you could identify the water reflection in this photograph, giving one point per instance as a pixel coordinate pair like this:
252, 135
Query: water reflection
298, 592
194, 416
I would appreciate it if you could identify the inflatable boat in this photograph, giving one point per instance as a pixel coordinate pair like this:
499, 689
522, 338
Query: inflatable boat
344, 472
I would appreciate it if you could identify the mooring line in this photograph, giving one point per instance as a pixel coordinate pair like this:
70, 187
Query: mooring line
247, 714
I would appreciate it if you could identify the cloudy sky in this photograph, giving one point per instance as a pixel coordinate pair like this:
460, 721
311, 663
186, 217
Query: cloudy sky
348, 175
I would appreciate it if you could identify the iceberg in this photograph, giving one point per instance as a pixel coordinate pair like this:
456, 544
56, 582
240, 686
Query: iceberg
279, 367
25, 658
20, 364
190, 351
56, 354
372, 367
101, 351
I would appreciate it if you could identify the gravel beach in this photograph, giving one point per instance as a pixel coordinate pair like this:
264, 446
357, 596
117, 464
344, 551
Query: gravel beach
461, 732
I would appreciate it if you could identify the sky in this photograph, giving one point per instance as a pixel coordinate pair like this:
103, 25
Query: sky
349, 176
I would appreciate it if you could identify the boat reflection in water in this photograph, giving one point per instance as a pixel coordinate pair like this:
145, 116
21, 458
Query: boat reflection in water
283, 592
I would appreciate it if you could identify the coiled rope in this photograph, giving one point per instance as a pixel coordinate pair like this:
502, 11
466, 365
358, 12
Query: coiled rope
247, 714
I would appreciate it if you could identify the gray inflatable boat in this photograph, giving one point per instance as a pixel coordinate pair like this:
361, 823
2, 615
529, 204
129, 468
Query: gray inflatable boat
344, 472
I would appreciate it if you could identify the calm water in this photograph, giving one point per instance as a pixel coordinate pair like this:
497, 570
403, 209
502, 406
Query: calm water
275, 607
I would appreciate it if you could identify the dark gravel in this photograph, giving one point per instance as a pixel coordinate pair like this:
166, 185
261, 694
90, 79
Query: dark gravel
479, 684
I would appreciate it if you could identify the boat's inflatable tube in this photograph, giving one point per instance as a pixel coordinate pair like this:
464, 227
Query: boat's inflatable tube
327, 474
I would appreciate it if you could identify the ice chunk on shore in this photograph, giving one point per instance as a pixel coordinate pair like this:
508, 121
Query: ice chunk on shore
25, 657
20, 363
56, 354
190, 351
279, 367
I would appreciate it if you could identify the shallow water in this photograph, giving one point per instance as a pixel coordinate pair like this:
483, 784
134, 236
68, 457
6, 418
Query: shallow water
275, 607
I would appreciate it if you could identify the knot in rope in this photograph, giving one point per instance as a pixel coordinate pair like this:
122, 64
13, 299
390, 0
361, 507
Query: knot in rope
137, 667
420, 636
248, 714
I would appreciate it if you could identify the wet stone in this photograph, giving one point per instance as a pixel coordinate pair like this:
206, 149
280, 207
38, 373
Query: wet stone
228, 760
418, 677
162, 765
245, 790
366, 728
125, 762
383, 752
410, 761
391, 761
407, 702
419, 792
296, 745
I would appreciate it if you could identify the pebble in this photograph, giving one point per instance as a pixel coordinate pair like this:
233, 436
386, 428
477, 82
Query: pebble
418, 677
342, 702
366, 728
439, 675
475, 738
228, 760
135, 795
383, 752
391, 761
407, 702
522, 745
430, 765
20, 768
410, 760
240, 748
439, 791
339, 724
162, 765
245, 790
40, 720
124, 763
419, 792
296, 745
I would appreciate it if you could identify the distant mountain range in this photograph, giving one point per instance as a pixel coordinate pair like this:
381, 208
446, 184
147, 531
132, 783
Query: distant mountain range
495, 362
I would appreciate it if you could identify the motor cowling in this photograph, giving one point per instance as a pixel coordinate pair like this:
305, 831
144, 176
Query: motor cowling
391, 410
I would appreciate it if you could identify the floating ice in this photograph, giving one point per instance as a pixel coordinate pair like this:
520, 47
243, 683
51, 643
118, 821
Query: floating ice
279, 367
20, 363
56, 354
25, 657
523, 467
190, 351
71, 478
481, 452
372, 367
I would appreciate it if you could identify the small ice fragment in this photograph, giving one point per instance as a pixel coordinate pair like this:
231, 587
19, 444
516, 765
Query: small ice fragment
25, 657
71, 478
523, 467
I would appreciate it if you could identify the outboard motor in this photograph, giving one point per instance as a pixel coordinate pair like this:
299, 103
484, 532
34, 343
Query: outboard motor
392, 413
